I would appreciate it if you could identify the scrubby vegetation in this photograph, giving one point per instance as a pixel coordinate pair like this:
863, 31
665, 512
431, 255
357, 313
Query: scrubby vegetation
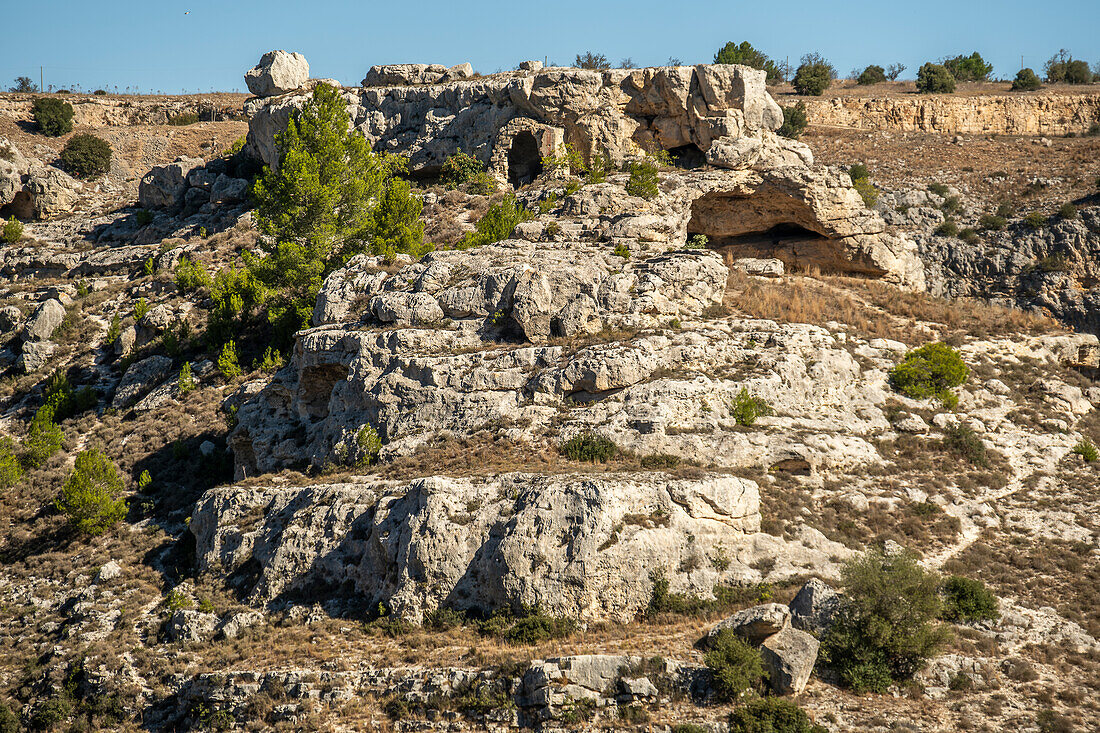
814, 75
461, 169
643, 178
746, 408
873, 74
794, 121
54, 117
965, 599
497, 223
771, 715
886, 629
13, 230
735, 666
1063, 68
929, 371
1026, 81
744, 54
861, 182
591, 60
968, 68
92, 497
934, 79
86, 156
589, 448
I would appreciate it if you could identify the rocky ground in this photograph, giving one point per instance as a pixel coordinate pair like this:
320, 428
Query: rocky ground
268, 577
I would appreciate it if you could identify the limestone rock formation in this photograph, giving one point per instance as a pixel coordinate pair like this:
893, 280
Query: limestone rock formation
45, 320
166, 186
814, 607
277, 73
755, 624
789, 657
562, 542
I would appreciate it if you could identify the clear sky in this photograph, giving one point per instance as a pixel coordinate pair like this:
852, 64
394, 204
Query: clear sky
154, 45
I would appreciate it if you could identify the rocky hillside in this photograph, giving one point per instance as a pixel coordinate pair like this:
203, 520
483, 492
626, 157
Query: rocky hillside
587, 470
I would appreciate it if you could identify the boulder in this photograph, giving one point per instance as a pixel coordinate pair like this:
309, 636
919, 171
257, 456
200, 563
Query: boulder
277, 73
13, 166
233, 624
458, 71
769, 267
814, 607
140, 378
44, 321
789, 657
11, 318
165, 186
51, 191
35, 356
755, 624
189, 626
110, 571
228, 190
531, 65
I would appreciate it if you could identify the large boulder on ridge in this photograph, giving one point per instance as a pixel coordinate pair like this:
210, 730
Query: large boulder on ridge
277, 73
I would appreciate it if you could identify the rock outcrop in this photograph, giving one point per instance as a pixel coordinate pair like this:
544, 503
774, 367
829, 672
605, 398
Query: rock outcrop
582, 546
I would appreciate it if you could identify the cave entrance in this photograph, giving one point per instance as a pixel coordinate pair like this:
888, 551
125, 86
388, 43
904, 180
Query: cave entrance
524, 159
688, 156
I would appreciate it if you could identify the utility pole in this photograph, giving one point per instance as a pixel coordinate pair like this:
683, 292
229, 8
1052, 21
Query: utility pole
41, 80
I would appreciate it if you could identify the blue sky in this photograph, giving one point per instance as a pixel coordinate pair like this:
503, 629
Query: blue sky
153, 45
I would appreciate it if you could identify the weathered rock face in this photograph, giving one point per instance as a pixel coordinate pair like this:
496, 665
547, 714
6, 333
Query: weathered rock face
1014, 114
428, 112
45, 320
278, 72
166, 186
31, 190
574, 544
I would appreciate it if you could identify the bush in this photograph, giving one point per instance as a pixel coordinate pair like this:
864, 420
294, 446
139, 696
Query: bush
814, 75
1026, 81
10, 469
1035, 220
43, 439
736, 667
745, 409
929, 371
183, 119
23, 85
886, 628
86, 156
9, 721
866, 191
92, 497
1087, 450
969, 68
893, 71
992, 222
643, 179
191, 276
1063, 68
969, 236
872, 75
967, 600
590, 448
330, 199
590, 60
1067, 211
961, 440
13, 230
497, 223
460, 168
771, 715
100, 92
186, 381
535, 627
746, 55
934, 79
228, 364
54, 117
50, 713
794, 121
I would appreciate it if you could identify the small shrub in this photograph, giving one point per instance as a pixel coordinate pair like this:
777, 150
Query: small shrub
145, 480
928, 371
951, 205
183, 119
967, 600
697, 241
643, 179
497, 223
992, 222
54, 117
961, 440
191, 275
43, 439
144, 217
228, 364
736, 667
934, 79
86, 156
460, 168
969, 68
659, 460
969, 236
621, 250
744, 54
9, 721
1026, 81
858, 171
52, 712
947, 229
866, 191
141, 309
813, 76
271, 361
1067, 211
1087, 450
13, 230
368, 445
590, 60
873, 74
589, 448
186, 382
536, 627
939, 189
100, 92
886, 628
92, 497
794, 121
10, 469
745, 408
771, 715
1035, 220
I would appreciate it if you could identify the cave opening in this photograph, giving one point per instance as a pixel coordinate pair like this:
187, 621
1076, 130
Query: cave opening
524, 159
688, 156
